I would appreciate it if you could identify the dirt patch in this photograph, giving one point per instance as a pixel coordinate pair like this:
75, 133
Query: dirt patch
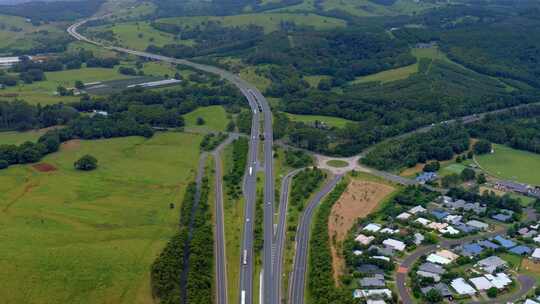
44, 167
360, 199
73, 144
529, 265
412, 171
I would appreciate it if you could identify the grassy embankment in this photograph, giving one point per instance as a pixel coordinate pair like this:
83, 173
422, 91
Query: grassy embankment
215, 119
92, 236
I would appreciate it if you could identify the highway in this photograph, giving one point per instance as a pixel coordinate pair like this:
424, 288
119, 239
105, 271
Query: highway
257, 102
297, 280
281, 231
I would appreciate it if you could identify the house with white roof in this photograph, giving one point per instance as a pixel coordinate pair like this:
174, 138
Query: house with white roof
449, 230
369, 293
481, 283
417, 209
500, 280
389, 231
372, 227
437, 259
375, 302
453, 218
423, 221
403, 216
529, 301
462, 287
536, 255
395, 244
364, 239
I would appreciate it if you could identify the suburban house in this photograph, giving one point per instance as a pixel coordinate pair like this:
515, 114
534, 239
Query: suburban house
364, 239
478, 225
462, 287
395, 244
491, 264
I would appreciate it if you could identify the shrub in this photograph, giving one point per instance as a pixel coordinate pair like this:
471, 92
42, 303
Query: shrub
86, 163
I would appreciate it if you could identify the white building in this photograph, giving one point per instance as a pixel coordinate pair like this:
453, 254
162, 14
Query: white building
372, 227
7, 62
364, 240
536, 254
417, 209
403, 216
395, 244
481, 283
462, 287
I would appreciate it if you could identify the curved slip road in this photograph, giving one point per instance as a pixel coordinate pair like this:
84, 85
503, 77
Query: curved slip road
258, 104
280, 236
297, 281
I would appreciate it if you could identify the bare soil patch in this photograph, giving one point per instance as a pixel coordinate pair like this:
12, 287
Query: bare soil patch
530, 266
360, 199
73, 144
44, 167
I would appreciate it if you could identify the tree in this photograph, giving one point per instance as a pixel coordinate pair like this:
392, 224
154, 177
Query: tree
79, 85
468, 174
86, 163
492, 292
432, 167
482, 147
451, 180
3, 164
200, 121
231, 126
61, 91
434, 296
481, 178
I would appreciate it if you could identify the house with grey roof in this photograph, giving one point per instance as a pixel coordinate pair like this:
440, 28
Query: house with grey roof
433, 268
491, 263
375, 281
443, 289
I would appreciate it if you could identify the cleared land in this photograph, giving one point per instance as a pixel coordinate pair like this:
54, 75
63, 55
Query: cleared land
215, 119
359, 199
270, 22
511, 164
92, 236
329, 120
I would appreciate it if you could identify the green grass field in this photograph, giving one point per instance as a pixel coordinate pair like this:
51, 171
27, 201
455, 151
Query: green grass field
389, 75
14, 32
329, 120
138, 35
336, 163
215, 119
366, 8
44, 91
512, 164
91, 237
17, 138
269, 21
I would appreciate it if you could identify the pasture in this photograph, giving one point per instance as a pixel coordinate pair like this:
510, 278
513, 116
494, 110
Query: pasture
511, 164
215, 119
92, 236
329, 120
15, 32
269, 21
17, 138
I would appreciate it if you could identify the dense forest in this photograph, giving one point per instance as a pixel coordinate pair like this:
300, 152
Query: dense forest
439, 143
519, 128
41, 11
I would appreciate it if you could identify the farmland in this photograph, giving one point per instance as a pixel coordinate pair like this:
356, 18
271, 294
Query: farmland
512, 164
270, 22
15, 32
92, 236
215, 119
17, 138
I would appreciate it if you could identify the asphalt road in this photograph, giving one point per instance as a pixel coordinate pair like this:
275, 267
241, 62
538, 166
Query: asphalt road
255, 100
279, 242
219, 248
526, 283
297, 280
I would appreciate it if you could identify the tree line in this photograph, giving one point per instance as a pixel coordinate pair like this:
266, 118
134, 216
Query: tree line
320, 282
